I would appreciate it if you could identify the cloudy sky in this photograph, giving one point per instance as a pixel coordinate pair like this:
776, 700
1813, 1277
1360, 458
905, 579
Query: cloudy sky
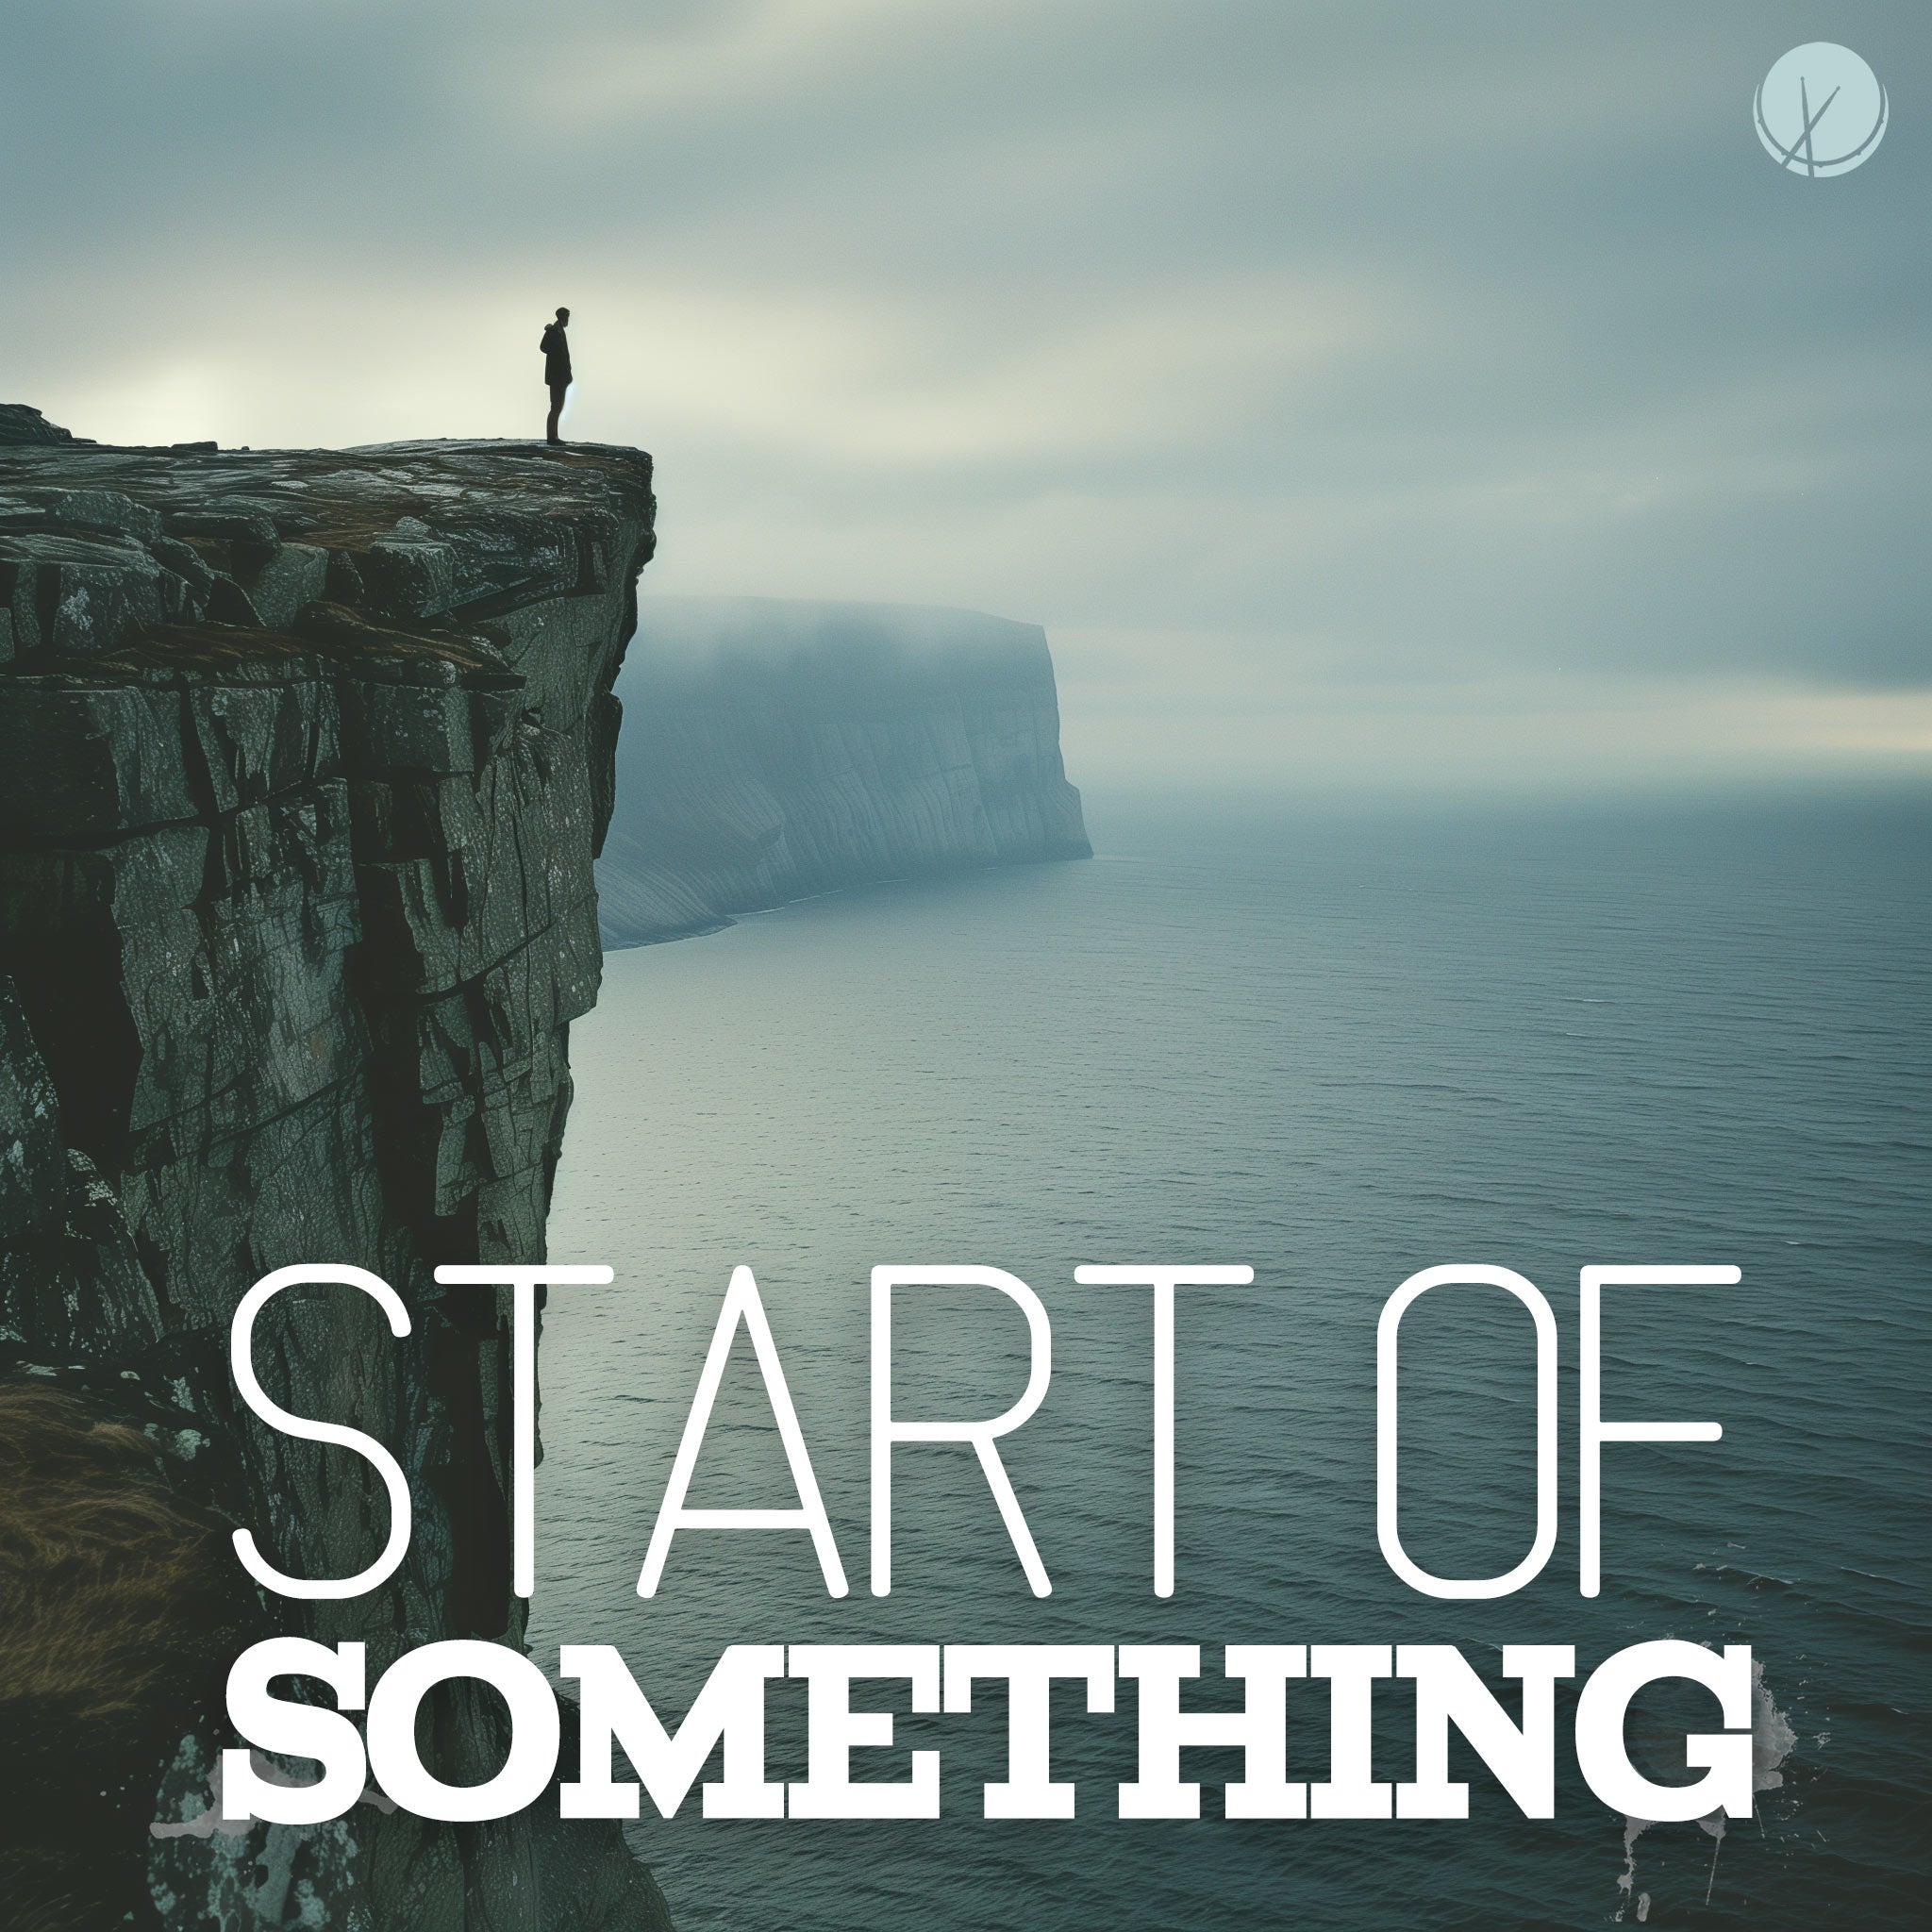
1359, 393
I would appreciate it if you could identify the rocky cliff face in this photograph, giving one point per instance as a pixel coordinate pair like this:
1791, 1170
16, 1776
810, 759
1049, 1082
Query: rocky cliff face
775, 750
304, 760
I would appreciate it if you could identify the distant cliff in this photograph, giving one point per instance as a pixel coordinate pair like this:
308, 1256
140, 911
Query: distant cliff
773, 750
304, 759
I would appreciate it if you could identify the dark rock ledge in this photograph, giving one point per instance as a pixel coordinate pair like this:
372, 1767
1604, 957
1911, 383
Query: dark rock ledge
305, 756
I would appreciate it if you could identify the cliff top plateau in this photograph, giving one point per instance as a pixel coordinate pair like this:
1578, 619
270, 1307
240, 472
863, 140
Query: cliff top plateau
106, 541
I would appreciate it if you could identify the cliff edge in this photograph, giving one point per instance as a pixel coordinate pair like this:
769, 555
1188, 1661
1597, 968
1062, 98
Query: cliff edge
304, 758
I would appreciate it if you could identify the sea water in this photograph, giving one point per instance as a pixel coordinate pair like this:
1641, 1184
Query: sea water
1339, 1046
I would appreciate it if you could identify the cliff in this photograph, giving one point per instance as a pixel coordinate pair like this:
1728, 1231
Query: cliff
775, 750
305, 758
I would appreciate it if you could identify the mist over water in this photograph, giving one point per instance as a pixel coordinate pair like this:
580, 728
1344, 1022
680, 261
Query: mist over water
1340, 1047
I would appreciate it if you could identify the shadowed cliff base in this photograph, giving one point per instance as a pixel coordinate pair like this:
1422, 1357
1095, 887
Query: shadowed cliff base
773, 750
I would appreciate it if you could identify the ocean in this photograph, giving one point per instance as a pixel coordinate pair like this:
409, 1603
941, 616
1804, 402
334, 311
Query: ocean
1339, 1045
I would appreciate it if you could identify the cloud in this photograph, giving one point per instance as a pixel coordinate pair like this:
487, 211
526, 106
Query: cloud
1376, 351
1257, 716
694, 61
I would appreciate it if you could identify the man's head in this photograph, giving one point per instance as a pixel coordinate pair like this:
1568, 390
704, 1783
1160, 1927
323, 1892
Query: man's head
563, 315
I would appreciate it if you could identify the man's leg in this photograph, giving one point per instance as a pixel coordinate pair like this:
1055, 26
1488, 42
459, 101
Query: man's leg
558, 393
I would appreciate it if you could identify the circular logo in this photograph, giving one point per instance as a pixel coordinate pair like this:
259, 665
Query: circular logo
1820, 111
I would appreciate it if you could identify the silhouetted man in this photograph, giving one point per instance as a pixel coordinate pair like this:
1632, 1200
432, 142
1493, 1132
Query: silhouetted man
556, 347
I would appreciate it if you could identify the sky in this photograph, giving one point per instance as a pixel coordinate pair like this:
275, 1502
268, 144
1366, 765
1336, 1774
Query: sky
1362, 395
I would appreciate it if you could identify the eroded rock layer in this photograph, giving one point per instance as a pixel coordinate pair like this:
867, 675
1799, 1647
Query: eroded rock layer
774, 750
305, 758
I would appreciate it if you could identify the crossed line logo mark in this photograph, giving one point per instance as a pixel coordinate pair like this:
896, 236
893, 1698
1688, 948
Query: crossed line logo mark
1800, 153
